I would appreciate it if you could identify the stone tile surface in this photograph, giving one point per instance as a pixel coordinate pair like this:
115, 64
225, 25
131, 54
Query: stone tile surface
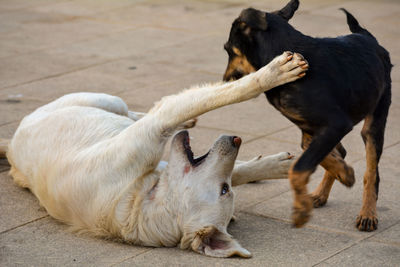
46, 242
371, 254
268, 240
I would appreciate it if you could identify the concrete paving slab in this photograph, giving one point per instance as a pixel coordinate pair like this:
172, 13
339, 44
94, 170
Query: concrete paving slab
13, 6
156, 86
14, 111
390, 235
272, 243
83, 7
192, 55
18, 205
28, 31
7, 130
188, 16
366, 253
48, 243
255, 116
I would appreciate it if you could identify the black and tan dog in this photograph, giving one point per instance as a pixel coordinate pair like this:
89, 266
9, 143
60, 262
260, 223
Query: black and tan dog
348, 81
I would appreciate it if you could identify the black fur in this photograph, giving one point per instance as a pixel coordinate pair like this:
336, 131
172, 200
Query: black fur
347, 81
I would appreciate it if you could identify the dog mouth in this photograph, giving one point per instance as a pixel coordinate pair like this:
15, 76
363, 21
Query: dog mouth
222, 146
189, 153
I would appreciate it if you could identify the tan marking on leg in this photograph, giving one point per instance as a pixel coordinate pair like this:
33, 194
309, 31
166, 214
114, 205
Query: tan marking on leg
302, 205
367, 219
335, 164
321, 193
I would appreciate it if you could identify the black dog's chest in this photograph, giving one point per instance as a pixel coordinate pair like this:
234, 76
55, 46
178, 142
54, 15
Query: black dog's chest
288, 101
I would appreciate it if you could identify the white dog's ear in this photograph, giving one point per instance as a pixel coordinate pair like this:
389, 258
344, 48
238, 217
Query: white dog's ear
212, 242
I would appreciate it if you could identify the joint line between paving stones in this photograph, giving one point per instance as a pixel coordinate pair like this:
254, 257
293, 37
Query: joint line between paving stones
7, 123
255, 204
387, 147
97, 64
21, 225
355, 243
134, 256
311, 227
29, 7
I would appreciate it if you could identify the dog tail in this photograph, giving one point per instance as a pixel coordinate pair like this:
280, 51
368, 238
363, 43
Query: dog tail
3, 147
354, 25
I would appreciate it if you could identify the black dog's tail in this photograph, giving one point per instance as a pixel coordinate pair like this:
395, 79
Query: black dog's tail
354, 25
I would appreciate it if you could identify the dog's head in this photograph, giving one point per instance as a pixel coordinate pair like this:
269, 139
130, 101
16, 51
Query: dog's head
252, 39
203, 187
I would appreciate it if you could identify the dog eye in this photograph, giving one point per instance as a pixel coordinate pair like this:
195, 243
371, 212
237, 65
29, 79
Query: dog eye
225, 189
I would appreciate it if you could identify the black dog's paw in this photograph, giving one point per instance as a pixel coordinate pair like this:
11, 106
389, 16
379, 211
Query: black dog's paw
367, 223
347, 176
319, 201
302, 210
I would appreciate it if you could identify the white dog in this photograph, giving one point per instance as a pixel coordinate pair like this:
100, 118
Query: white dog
95, 165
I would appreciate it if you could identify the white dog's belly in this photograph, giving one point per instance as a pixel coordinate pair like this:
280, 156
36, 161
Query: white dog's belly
47, 149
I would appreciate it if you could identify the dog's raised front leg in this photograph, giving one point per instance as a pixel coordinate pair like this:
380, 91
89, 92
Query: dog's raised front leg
143, 142
262, 168
173, 110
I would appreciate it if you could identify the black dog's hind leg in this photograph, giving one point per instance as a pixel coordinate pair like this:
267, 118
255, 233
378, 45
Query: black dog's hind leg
336, 168
373, 135
322, 143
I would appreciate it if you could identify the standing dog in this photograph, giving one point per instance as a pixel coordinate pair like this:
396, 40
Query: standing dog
349, 81
95, 165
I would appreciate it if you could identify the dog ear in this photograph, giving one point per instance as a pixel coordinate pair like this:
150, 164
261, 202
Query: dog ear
288, 11
251, 18
212, 242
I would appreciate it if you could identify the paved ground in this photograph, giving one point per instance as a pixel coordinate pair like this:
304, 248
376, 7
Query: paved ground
142, 50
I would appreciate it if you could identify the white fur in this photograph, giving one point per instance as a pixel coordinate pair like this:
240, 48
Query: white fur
96, 166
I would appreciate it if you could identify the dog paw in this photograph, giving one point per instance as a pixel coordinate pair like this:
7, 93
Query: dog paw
275, 166
367, 223
347, 178
284, 156
285, 160
302, 210
294, 64
318, 201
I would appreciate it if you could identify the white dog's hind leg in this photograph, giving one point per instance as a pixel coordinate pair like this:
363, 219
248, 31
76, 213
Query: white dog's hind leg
262, 168
105, 102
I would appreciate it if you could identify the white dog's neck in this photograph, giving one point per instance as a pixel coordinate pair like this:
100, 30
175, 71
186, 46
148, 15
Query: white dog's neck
153, 209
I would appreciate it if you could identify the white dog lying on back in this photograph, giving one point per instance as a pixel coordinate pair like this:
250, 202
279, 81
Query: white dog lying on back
93, 164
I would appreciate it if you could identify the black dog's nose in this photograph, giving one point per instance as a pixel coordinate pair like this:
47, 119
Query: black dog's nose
236, 141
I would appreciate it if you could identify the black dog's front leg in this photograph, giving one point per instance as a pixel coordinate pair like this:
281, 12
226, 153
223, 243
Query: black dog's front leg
323, 142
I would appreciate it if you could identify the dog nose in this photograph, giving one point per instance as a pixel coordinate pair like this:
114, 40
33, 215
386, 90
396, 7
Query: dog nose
236, 141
